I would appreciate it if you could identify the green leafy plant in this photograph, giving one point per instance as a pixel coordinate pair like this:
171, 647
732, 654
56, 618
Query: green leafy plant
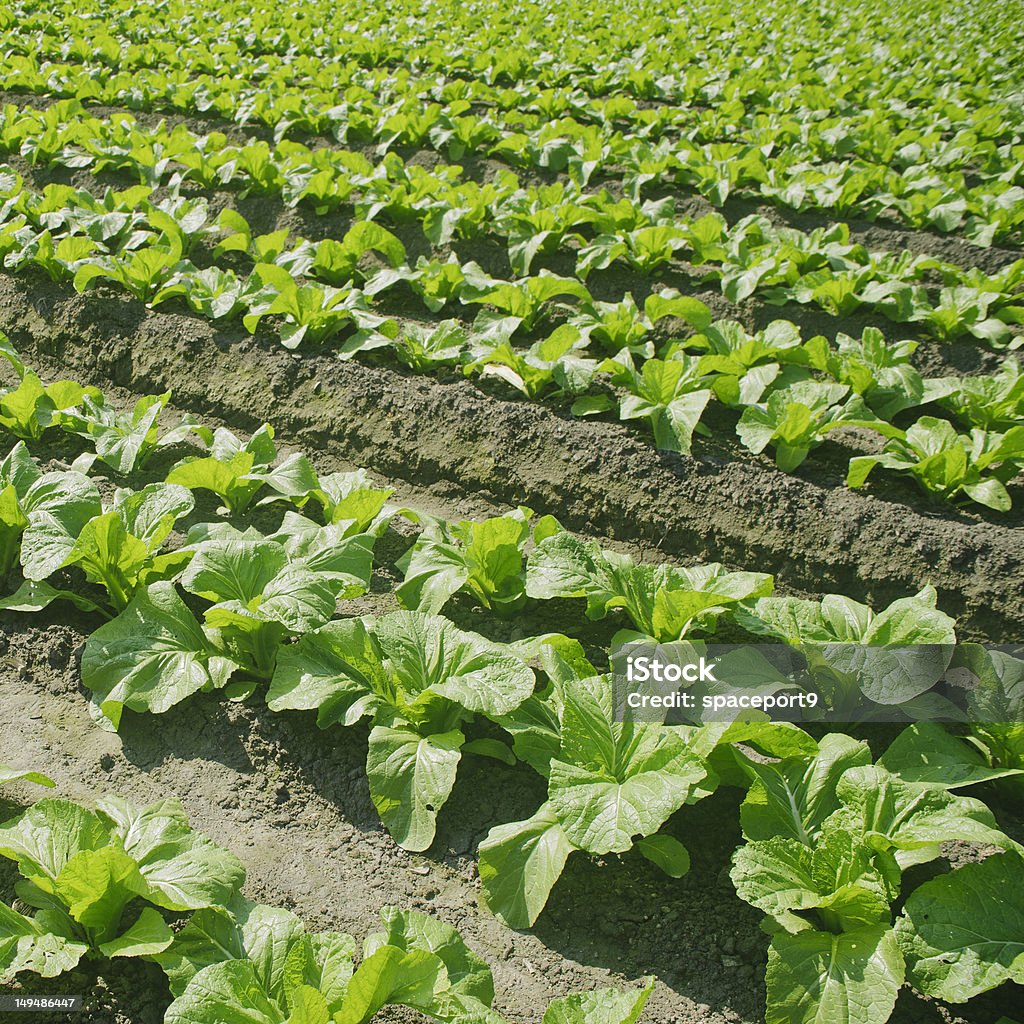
949, 464
671, 395
337, 262
663, 601
484, 558
125, 441
41, 514
310, 312
524, 299
554, 363
418, 678
83, 871
28, 410
120, 550
827, 841
142, 272
795, 419
609, 782
235, 472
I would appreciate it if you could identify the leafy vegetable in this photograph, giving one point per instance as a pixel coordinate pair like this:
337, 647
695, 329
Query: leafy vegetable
418, 678
83, 870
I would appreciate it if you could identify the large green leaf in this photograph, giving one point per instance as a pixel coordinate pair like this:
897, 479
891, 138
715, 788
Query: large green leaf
907, 817
963, 933
427, 652
58, 505
925, 752
152, 656
25, 945
821, 978
603, 1006
468, 974
225, 993
411, 777
183, 869
519, 865
392, 975
48, 835
793, 797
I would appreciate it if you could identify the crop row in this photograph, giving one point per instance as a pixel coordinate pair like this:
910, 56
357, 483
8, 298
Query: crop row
789, 393
796, 155
781, 264
108, 883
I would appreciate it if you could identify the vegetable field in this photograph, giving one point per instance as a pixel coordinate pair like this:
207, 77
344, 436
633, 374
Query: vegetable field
371, 375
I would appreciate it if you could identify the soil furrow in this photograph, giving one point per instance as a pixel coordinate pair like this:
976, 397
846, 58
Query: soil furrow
597, 477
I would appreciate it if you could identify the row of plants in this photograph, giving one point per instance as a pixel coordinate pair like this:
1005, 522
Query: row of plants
122, 881
789, 394
752, 256
141, 58
771, 152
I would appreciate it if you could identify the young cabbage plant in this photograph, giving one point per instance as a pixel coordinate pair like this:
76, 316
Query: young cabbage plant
524, 299
125, 441
858, 660
621, 325
259, 963
663, 601
424, 347
552, 363
644, 249
744, 366
118, 550
671, 395
181, 222
539, 221
217, 294
994, 402
31, 408
611, 785
795, 419
235, 472
877, 371
437, 283
827, 840
267, 248
265, 589
41, 514
965, 310
337, 263
121, 549
84, 874
259, 590
484, 558
142, 272
946, 463
417, 678
311, 312
58, 260
114, 221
